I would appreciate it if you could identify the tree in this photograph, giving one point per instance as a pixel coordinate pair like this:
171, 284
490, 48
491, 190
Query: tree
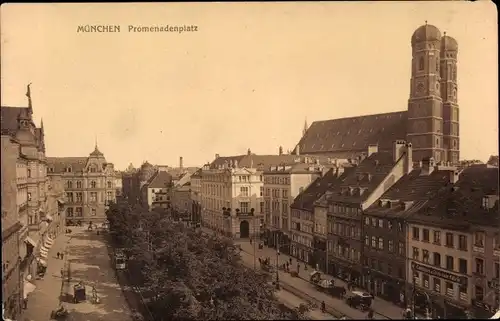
191, 275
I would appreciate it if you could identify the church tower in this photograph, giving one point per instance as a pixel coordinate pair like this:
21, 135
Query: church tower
451, 135
425, 106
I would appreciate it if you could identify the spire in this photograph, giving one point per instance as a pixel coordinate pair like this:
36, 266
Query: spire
96, 151
28, 94
305, 127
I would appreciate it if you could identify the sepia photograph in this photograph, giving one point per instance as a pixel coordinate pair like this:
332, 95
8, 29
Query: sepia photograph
250, 161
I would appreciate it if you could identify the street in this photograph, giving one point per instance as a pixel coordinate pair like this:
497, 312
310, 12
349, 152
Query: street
383, 309
89, 263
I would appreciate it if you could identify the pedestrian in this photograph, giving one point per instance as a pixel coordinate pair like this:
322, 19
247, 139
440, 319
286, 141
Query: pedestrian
62, 256
298, 267
370, 314
250, 241
25, 303
58, 255
62, 273
290, 261
323, 306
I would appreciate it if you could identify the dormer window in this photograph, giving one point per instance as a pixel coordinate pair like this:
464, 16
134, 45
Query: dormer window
51, 169
68, 169
93, 169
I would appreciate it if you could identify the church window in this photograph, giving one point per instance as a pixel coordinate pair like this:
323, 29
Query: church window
421, 63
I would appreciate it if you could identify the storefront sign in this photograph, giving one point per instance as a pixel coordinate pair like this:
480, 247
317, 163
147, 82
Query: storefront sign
438, 273
478, 249
484, 306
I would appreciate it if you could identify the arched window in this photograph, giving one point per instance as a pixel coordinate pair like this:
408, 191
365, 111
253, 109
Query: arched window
69, 184
437, 65
109, 184
78, 184
93, 184
421, 63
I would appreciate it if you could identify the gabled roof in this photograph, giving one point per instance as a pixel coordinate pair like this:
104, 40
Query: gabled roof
414, 188
160, 179
347, 137
460, 204
317, 189
59, 164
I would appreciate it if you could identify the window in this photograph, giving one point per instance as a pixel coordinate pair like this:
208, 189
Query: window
261, 191
29, 172
69, 184
437, 237
380, 243
93, 197
497, 270
449, 262
109, 196
285, 207
449, 239
449, 289
479, 293
79, 212
416, 254
426, 281
244, 191
244, 207
367, 240
462, 266
374, 242
93, 169
79, 184
425, 235
380, 223
485, 202
367, 221
416, 233
79, 197
110, 184
425, 256
93, 184
479, 239
462, 242
262, 207
437, 285
69, 212
401, 248
29, 196
69, 197
479, 266
374, 220
93, 212
391, 246
421, 63
244, 178
436, 259
69, 170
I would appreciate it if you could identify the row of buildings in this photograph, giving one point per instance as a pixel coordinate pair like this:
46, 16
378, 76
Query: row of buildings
379, 200
40, 195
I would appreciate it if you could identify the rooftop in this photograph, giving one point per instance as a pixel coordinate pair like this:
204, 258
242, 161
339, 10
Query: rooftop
160, 179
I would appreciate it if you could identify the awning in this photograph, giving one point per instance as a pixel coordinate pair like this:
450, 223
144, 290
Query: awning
44, 254
41, 261
28, 288
30, 241
44, 249
49, 241
60, 201
49, 217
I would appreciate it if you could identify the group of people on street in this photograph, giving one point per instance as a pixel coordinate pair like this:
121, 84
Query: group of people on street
60, 255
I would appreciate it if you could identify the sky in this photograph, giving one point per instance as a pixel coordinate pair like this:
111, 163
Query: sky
248, 77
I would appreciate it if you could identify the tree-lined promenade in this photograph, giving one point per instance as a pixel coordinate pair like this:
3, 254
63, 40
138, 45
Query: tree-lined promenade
188, 274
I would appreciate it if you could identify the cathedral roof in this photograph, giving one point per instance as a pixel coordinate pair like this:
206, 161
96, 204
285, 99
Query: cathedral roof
448, 43
426, 33
347, 137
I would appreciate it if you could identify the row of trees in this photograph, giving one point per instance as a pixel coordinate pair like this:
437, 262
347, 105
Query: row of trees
188, 274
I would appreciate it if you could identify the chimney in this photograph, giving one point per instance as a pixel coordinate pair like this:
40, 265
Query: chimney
235, 163
398, 149
216, 156
454, 176
180, 163
372, 149
409, 158
427, 166
297, 150
249, 152
280, 151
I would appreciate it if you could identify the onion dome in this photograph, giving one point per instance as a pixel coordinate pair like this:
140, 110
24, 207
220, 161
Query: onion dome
426, 33
448, 43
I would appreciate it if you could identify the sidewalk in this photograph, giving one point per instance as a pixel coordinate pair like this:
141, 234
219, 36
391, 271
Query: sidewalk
383, 309
292, 301
46, 296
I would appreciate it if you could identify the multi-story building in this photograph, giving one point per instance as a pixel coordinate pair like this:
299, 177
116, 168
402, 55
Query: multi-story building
131, 185
430, 123
370, 179
119, 184
196, 196
447, 253
157, 192
89, 183
384, 228
308, 226
11, 273
231, 190
282, 183
181, 199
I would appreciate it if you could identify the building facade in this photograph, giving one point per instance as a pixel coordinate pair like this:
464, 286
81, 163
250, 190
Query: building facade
430, 123
89, 183
196, 196
157, 191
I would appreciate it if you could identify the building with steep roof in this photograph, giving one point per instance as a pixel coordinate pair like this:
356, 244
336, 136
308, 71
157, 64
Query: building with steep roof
430, 123
453, 244
157, 191
89, 183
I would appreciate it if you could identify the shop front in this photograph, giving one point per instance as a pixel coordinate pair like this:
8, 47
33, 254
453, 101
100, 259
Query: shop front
301, 252
319, 254
482, 310
382, 285
347, 271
